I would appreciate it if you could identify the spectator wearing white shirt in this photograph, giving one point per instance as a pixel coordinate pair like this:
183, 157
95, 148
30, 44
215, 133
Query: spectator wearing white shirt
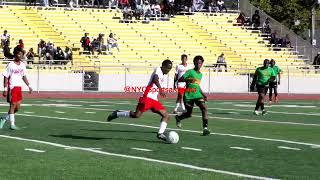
5, 38
221, 5
112, 42
221, 62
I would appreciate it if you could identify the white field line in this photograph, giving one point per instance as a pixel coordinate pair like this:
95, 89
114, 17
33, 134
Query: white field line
181, 130
141, 149
59, 112
214, 117
141, 158
192, 149
241, 148
260, 121
35, 150
289, 148
90, 112
276, 112
28, 112
100, 105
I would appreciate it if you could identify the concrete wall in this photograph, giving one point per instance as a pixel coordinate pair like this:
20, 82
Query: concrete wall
117, 83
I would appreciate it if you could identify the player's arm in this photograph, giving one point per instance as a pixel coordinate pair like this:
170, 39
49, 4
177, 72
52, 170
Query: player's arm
175, 83
25, 80
5, 86
203, 94
155, 80
279, 76
253, 83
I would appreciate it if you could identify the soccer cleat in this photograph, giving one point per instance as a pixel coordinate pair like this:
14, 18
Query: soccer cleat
206, 132
264, 112
162, 137
276, 100
178, 122
2, 122
14, 127
256, 113
112, 116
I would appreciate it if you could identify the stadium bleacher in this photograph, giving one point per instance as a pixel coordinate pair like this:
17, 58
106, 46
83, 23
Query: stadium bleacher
143, 44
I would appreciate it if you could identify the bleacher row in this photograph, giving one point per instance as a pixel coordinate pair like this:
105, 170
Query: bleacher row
142, 44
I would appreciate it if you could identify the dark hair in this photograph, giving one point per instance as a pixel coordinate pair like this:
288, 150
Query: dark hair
198, 58
166, 63
17, 50
184, 56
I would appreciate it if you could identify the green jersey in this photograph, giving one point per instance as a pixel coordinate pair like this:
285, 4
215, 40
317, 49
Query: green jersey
193, 87
264, 75
277, 71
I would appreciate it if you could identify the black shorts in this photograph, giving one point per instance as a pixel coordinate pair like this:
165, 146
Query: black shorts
191, 102
273, 84
262, 89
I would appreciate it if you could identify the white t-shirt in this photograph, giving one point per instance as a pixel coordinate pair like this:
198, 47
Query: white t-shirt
154, 91
15, 73
180, 70
220, 3
5, 36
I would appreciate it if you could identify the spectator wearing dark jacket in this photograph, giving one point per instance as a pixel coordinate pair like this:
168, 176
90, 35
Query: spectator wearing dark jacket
256, 19
316, 61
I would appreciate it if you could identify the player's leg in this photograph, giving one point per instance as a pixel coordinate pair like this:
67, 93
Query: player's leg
276, 98
178, 103
163, 124
6, 117
14, 107
271, 87
186, 114
204, 111
260, 100
144, 105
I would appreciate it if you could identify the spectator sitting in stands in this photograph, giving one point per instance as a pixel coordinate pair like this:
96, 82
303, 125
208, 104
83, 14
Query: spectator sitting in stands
212, 6
221, 61
286, 42
30, 56
19, 47
85, 43
112, 42
127, 13
273, 38
5, 38
316, 61
58, 56
67, 54
147, 10
156, 9
256, 19
123, 3
241, 19
101, 44
49, 52
198, 5
41, 49
266, 26
6, 51
221, 5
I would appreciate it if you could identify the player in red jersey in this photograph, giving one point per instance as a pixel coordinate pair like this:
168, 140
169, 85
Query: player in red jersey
149, 100
14, 79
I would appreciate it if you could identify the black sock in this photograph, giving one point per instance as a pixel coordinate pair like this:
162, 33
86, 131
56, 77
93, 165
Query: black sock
257, 106
205, 123
262, 106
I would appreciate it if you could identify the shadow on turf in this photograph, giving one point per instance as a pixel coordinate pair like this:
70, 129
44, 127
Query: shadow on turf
98, 138
126, 131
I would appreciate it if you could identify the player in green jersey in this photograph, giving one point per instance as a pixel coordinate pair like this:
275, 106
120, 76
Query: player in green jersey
262, 77
273, 85
194, 94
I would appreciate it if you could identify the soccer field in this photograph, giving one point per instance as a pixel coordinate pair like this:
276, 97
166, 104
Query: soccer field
70, 139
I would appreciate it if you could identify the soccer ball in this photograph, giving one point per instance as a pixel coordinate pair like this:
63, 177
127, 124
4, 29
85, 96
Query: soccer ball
172, 137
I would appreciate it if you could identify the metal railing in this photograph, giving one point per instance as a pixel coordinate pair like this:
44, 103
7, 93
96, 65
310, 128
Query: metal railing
301, 45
